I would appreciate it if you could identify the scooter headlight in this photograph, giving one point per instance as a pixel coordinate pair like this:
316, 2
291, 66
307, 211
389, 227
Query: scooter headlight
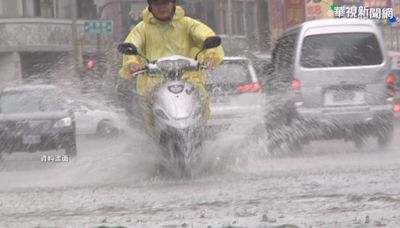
65, 122
172, 65
160, 113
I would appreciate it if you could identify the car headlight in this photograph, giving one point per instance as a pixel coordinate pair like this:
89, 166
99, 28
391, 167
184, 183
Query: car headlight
65, 122
161, 114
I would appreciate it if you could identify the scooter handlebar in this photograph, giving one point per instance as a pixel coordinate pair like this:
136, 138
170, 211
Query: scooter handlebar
141, 71
152, 69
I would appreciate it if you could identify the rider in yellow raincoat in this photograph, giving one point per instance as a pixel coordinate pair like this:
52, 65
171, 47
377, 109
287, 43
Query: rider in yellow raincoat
165, 31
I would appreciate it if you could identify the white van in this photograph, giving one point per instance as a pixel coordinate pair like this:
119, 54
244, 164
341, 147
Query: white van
336, 73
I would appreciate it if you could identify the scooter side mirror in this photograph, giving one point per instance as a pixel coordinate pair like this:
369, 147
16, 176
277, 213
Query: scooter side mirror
128, 49
211, 42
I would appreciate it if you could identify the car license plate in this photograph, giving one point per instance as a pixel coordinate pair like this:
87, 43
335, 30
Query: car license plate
333, 98
343, 96
31, 139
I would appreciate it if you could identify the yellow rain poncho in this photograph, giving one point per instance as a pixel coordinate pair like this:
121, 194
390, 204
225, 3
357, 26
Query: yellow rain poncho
179, 36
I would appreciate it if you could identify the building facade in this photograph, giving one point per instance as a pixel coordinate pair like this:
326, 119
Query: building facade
243, 24
37, 35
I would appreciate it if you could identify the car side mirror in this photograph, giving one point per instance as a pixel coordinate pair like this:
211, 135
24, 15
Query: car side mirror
128, 49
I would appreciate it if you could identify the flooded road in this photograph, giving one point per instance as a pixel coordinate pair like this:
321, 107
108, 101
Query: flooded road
112, 183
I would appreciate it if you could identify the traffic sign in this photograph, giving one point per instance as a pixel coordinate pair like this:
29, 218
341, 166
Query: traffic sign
97, 26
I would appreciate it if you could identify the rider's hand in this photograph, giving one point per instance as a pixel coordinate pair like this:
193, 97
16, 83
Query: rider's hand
133, 67
209, 63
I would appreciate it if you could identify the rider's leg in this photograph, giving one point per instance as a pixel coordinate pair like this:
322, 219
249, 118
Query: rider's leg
145, 87
147, 115
198, 80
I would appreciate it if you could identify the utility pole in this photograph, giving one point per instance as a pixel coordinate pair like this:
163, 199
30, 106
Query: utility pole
98, 35
98, 42
75, 40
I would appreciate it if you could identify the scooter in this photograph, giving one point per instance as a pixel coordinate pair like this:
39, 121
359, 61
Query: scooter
176, 108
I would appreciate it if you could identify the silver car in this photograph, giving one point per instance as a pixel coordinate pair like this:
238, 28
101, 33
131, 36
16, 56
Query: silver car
96, 119
336, 72
235, 93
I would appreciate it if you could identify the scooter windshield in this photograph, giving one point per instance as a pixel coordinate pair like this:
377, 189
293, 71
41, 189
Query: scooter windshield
176, 65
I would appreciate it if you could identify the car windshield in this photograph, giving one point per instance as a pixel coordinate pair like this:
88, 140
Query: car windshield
230, 72
340, 50
78, 106
30, 101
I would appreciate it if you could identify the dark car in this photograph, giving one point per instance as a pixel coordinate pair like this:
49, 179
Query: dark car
36, 118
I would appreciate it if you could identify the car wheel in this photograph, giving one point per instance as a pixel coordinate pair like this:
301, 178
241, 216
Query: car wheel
273, 148
385, 137
296, 134
105, 128
295, 146
274, 140
70, 146
359, 143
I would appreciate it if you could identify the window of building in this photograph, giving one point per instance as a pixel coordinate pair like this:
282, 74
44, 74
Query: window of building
195, 10
224, 16
251, 19
238, 25
10, 8
44, 8
217, 15
87, 9
210, 16
234, 17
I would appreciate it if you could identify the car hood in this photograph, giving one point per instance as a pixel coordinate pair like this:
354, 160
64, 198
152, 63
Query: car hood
105, 113
34, 115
